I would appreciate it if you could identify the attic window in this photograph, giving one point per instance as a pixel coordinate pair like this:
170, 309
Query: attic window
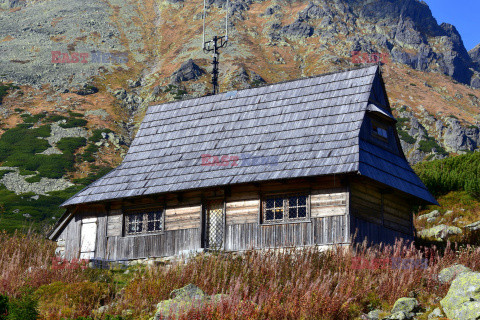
144, 221
285, 208
379, 130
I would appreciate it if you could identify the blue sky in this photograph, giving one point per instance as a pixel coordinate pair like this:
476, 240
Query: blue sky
463, 14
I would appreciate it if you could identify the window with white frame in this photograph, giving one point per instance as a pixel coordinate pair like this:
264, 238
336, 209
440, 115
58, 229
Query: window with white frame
285, 208
144, 221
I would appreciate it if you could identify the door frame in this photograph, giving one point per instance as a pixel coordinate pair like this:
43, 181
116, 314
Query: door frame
204, 221
89, 220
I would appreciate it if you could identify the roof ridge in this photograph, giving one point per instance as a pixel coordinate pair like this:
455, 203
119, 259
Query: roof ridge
272, 84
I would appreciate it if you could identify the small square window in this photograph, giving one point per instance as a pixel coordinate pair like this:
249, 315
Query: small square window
379, 130
278, 209
145, 221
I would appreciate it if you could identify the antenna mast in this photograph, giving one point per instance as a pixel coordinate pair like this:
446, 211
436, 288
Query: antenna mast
214, 45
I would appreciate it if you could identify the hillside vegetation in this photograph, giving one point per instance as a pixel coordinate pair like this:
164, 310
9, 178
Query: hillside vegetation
458, 173
293, 284
455, 181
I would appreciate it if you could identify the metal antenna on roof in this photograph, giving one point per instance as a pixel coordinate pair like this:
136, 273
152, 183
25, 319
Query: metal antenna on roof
214, 45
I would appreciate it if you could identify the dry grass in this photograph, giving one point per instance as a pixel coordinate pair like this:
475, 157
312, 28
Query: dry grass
297, 284
26, 261
291, 284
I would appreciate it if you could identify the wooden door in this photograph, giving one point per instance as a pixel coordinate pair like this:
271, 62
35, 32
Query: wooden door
88, 238
214, 225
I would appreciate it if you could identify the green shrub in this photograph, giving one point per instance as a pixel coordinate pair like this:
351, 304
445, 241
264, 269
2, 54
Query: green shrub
23, 308
32, 118
71, 144
4, 90
429, 145
19, 143
3, 307
4, 172
74, 122
74, 114
33, 179
460, 173
54, 166
42, 131
88, 153
56, 118
406, 137
25, 172
402, 122
97, 134
72, 300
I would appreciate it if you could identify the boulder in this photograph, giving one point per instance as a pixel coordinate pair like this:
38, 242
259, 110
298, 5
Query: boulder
448, 274
462, 301
86, 90
184, 298
374, 315
312, 11
187, 71
473, 226
404, 308
436, 313
271, 10
190, 291
433, 214
400, 315
298, 29
440, 232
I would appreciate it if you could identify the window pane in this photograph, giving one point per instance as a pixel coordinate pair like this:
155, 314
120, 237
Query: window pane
382, 132
302, 200
158, 225
302, 212
279, 214
279, 202
292, 212
269, 214
139, 226
292, 201
151, 226
151, 216
270, 203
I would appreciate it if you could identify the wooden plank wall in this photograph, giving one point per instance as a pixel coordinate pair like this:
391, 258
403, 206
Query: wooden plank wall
385, 209
71, 235
72, 232
328, 202
320, 231
375, 233
329, 220
168, 243
184, 217
182, 229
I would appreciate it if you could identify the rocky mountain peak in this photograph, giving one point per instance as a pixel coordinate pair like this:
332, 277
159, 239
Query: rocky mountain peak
475, 56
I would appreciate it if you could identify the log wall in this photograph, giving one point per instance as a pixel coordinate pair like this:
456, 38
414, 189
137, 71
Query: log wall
329, 222
379, 214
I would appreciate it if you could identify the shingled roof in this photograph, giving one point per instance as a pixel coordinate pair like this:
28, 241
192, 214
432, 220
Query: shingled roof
310, 126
